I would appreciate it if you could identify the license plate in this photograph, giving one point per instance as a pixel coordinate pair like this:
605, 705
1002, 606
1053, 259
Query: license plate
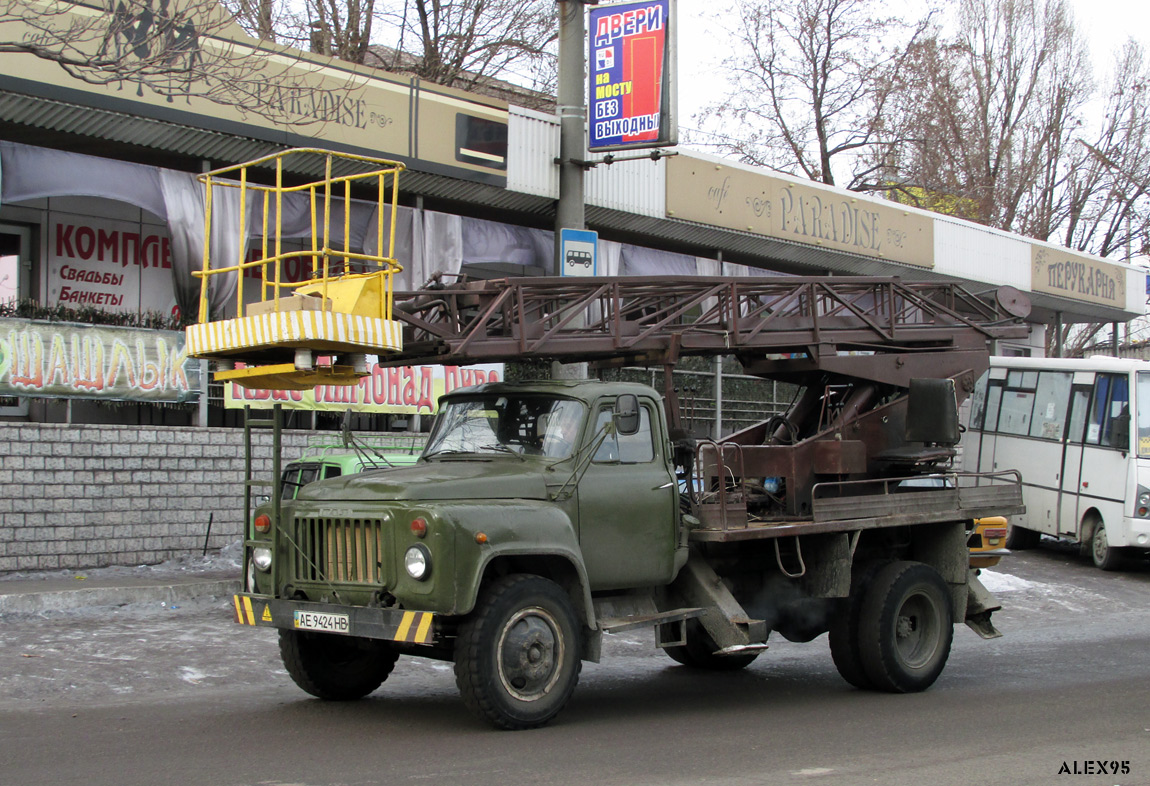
322, 620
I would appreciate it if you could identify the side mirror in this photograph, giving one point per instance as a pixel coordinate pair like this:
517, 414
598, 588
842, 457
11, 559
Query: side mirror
627, 414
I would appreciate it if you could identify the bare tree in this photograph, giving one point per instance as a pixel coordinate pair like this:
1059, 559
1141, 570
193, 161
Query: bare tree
467, 42
810, 82
261, 18
341, 28
154, 45
990, 116
1108, 188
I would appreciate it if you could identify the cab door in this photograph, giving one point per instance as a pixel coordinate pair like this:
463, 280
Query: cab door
628, 505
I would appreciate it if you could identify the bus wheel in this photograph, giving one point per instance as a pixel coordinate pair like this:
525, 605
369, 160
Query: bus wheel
906, 626
339, 668
517, 655
1105, 556
1020, 538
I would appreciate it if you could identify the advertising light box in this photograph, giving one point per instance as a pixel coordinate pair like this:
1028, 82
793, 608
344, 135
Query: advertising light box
631, 98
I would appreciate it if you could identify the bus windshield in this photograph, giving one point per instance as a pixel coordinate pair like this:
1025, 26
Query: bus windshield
1142, 404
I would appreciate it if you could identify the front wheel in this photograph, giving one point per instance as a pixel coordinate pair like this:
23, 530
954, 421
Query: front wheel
517, 655
335, 667
906, 626
1105, 556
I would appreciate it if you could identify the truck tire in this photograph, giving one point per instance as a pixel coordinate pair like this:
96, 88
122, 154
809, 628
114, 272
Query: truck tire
1020, 538
844, 630
517, 655
338, 668
1105, 556
906, 625
699, 652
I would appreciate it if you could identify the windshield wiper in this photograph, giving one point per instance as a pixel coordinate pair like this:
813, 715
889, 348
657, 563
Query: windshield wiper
503, 449
448, 452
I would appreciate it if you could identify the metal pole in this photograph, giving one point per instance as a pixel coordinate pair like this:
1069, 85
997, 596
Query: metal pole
202, 408
718, 397
572, 120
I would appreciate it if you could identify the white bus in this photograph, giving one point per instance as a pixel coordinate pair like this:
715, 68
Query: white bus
1066, 425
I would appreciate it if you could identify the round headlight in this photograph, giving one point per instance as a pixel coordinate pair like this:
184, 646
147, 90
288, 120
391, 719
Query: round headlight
417, 561
262, 558
1144, 499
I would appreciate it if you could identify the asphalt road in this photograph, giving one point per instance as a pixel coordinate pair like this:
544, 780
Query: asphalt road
183, 696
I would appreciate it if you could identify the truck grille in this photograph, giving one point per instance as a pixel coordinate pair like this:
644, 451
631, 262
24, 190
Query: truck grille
340, 550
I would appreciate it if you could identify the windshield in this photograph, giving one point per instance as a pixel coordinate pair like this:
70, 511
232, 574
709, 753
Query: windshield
1142, 413
523, 425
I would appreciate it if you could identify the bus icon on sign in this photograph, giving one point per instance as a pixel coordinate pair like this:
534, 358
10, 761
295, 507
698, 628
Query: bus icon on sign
575, 257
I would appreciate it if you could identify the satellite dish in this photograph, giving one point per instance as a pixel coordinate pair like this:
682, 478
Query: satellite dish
1013, 302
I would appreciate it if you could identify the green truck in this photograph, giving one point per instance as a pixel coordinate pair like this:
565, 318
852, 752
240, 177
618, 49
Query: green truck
542, 515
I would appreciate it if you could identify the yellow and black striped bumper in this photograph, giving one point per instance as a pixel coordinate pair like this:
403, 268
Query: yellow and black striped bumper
412, 627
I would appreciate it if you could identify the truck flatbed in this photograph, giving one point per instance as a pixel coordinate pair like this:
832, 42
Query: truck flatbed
893, 505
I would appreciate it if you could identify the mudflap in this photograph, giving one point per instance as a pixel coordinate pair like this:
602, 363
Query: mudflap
980, 604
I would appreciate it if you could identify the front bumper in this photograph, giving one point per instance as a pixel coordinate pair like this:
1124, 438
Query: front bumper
410, 627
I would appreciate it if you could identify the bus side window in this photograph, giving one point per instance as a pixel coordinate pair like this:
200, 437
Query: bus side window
1111, 402
1116, 431
993, 401
1079, 408
1052, 398
1017, 409
978, 403
1098, 409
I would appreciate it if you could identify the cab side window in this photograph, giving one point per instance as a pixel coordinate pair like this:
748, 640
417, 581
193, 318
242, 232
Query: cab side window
637, 448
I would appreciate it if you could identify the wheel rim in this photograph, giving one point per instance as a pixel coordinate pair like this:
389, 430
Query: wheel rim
916, 630
1101, 546
530, 653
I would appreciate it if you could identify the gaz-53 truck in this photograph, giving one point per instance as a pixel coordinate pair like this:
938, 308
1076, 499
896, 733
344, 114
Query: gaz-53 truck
542, 515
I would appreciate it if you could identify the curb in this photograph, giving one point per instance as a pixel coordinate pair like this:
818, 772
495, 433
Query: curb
65, 600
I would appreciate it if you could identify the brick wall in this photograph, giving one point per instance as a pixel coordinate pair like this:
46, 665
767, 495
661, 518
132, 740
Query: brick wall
91, 496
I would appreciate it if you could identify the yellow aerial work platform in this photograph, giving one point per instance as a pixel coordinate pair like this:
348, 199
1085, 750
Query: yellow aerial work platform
343, 309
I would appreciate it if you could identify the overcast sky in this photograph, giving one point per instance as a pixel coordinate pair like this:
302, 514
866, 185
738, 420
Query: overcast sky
1106, 23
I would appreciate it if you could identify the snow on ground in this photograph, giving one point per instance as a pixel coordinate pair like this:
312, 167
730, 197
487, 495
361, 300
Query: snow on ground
1004, 582
227, 560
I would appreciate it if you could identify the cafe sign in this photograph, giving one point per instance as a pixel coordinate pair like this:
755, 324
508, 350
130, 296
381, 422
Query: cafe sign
734, 198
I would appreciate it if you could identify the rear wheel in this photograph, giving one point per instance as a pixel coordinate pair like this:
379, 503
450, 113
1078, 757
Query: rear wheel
336, 667
906, 626
844, 631
517, 655
699, 652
